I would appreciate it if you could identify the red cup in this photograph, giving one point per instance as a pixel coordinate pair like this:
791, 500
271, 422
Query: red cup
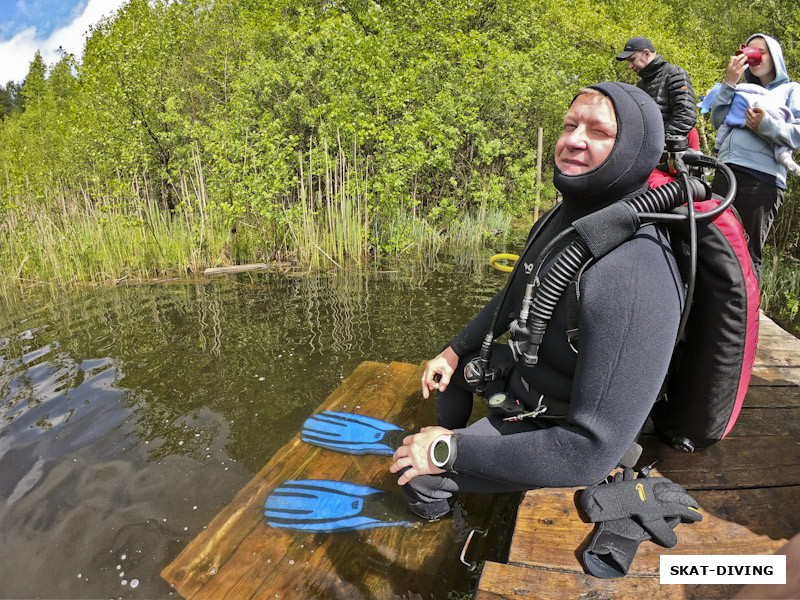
753, 54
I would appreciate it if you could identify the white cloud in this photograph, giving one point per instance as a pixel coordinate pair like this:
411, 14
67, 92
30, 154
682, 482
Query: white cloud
17, 53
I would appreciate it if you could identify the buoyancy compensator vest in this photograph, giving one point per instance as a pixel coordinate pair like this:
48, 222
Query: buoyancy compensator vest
715, 349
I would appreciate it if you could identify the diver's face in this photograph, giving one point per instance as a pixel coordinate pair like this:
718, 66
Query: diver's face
590, 130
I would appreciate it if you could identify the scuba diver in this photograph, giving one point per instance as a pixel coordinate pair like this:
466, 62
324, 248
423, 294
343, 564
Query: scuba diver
581, 411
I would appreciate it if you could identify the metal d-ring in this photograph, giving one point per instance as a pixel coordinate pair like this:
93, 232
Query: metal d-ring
472, 565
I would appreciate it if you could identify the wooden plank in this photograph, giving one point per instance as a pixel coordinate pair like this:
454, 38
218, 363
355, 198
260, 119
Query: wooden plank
772, 336
735, 462
515, 582
241, 571
772, 397
239, 556
755, 421
776, 347
550, 537
776, 356
775, 376
202, 558
550, 533
235, 269
510, 582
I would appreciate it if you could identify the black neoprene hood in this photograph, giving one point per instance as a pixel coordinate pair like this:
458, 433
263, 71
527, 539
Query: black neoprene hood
636, 152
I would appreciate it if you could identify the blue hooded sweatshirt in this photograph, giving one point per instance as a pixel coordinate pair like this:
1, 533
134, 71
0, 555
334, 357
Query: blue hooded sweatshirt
744, 147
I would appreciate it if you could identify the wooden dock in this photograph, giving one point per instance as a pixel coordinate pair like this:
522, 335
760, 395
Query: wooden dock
748, 487
238, 556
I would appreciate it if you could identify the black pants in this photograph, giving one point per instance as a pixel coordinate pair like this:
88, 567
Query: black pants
757, 203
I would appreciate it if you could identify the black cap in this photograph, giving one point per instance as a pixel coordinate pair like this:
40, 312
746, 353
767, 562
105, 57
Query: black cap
634, 45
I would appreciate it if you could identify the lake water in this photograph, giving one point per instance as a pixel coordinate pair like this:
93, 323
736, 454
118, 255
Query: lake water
129, 416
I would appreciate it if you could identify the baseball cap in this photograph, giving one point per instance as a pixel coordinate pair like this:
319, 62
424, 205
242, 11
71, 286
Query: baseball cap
634, 45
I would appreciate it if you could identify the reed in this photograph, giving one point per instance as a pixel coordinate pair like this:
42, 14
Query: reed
780, 291
108, 234
333, 195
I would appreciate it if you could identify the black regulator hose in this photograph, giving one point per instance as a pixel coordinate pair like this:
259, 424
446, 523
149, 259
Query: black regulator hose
683, 174
653, 206
477, 372
528, 331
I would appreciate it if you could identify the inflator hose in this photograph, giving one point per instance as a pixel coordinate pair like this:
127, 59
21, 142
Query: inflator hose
527, 338
650, 207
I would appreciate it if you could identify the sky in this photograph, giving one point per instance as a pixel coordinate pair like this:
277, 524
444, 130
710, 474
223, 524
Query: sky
45, 25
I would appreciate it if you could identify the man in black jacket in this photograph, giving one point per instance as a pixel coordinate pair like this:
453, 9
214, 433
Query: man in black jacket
665, 83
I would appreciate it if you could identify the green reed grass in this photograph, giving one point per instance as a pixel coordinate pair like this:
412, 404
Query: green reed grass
123, 233
780, 291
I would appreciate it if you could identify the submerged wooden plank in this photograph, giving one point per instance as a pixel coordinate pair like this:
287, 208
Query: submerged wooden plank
202, 558
239, 556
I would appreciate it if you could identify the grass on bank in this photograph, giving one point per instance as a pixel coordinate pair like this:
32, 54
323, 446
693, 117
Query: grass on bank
113, 244
124, 233
780, 291
108, 244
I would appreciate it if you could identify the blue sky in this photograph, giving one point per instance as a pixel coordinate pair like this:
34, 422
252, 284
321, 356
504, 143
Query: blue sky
30, 25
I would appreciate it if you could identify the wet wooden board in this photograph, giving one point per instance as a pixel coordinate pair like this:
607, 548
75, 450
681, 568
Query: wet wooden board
551, 532
239, 556
509, 582
748, 488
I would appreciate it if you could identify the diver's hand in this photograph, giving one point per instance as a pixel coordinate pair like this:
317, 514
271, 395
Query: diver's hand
443, 365
414, 455
753, 117
736, 66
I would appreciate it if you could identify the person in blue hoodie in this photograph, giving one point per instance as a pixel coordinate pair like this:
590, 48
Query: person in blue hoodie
748, 150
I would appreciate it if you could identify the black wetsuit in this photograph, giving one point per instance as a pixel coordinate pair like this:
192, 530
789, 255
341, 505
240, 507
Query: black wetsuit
629, 313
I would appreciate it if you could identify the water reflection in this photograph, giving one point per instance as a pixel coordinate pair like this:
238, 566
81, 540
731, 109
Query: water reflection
130, 416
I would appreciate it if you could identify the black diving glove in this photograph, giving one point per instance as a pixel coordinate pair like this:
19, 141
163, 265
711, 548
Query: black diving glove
613, 546
648, 500
631, 511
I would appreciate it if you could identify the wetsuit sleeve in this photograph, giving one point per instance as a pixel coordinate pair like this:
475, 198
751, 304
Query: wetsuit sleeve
630, 308
681, 103
721, 105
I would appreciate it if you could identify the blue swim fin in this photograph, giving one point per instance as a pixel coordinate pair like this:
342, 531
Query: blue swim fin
322, 506
352, 433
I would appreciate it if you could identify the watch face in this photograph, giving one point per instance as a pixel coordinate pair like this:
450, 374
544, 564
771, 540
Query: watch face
441, 452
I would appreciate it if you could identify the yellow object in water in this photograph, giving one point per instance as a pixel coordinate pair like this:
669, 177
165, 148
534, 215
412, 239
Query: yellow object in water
494, 261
